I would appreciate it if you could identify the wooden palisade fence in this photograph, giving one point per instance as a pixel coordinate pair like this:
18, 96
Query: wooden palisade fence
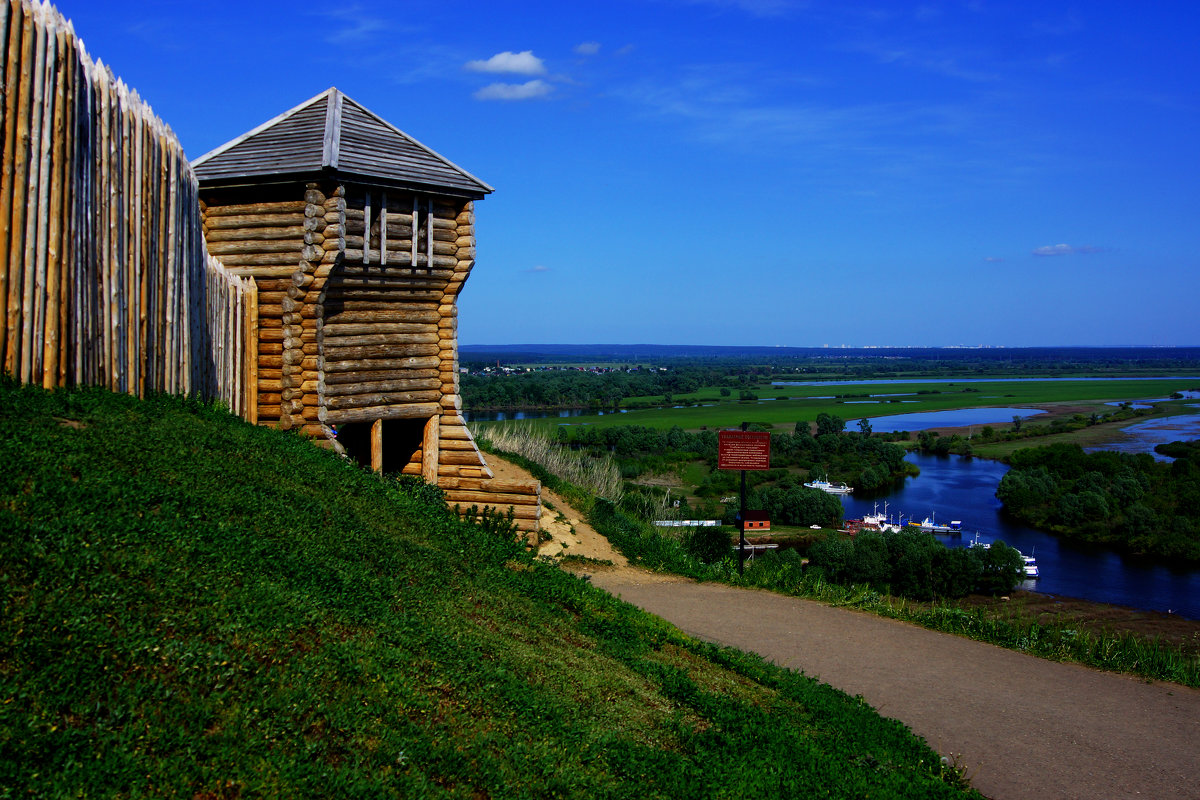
332, 309
104, 275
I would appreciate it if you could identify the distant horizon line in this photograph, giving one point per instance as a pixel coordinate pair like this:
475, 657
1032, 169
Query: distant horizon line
845, 346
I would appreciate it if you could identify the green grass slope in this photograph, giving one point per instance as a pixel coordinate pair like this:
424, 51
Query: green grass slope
194, 607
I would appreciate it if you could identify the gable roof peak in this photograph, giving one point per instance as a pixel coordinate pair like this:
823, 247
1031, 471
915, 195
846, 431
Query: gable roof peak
332, 133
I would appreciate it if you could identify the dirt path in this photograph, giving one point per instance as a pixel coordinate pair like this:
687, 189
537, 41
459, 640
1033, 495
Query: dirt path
1024, 728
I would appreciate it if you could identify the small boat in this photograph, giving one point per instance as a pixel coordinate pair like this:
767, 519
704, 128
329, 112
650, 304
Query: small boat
930, 525
880, 522
829, 488
1028, 563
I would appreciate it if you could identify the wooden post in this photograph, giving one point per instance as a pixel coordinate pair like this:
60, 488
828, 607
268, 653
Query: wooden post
252, 352
377, 445
430, 452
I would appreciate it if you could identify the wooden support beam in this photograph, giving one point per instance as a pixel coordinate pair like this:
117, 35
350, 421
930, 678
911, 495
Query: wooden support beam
430, 450
377, 445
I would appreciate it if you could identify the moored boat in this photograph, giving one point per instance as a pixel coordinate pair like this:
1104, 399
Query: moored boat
829, 488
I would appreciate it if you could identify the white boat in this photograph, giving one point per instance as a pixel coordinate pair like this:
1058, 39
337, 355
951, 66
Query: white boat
881, 522
930, 525
829, 488
1028, 563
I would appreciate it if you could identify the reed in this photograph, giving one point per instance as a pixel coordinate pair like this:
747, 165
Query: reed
597, 476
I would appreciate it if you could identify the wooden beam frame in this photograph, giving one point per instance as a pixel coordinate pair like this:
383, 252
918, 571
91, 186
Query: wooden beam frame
430, 451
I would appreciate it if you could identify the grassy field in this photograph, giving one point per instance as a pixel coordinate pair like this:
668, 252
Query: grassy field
197, 608
806, 402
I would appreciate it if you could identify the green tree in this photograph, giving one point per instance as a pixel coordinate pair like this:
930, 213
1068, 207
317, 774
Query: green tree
829, 423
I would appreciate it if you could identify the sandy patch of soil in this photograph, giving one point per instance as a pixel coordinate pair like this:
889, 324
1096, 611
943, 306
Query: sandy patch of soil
570, 535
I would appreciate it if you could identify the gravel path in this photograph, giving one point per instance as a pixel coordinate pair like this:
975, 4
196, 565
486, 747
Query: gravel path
1023, 727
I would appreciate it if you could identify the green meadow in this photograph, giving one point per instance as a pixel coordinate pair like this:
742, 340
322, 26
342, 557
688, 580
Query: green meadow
195, 607
782, 406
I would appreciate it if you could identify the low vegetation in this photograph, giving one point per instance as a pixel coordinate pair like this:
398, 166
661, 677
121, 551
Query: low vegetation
197, 608
689, 552
1132, 501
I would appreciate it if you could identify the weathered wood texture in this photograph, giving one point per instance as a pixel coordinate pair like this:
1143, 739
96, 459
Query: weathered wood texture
104, 275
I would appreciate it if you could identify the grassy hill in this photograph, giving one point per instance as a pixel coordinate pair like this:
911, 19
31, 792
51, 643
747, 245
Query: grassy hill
194, 607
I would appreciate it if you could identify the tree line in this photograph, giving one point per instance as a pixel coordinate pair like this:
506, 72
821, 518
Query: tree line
1132, 501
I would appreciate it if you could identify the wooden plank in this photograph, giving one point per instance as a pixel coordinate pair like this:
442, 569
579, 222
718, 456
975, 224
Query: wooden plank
252, 379
405, 411
377, 445
430, 453
14, 119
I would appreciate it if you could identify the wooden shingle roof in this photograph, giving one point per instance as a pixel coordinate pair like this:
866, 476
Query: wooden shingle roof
331, 134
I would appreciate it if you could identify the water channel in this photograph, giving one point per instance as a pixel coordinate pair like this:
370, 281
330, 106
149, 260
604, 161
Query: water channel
957, 488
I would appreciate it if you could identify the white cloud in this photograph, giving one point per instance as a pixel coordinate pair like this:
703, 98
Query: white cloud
523, 63
993, 260
1065, 250
587, 48
514, 91
538, 268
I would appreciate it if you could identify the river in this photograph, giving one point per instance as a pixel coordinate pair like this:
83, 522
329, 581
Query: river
957, 488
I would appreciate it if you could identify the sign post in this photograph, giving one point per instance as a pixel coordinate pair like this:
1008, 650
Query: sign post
743, 450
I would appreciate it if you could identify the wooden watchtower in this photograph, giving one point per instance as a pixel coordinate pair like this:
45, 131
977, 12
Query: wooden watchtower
359, 240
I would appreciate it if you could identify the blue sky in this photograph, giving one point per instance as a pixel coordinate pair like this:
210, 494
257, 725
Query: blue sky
752, 172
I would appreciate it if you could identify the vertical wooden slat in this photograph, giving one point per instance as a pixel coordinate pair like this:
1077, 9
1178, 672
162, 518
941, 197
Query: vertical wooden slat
377, 445
22, 363
383, 229
366, 228
13, 118
430, 449
54, 262
415, 228
252, 352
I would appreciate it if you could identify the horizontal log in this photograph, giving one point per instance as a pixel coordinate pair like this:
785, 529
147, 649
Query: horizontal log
376, 400
449, 431
295, 232
305, 312
370, 377
406, 411
459, 457
379, 339
247, 247
389, 270
456, 444
398, 295
492, 485
259, 271
490, 498
340, 329
355, 254
521, 512
379, 364
364, 387
308, 362
286, 220
269, 386
346, 285
406, 316
391, 351
395, 304
262, 260
254, 209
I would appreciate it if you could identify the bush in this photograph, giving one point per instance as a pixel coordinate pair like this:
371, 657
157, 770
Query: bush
708, 544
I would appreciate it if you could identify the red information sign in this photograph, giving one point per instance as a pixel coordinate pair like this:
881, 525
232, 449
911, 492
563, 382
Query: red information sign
743, 450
